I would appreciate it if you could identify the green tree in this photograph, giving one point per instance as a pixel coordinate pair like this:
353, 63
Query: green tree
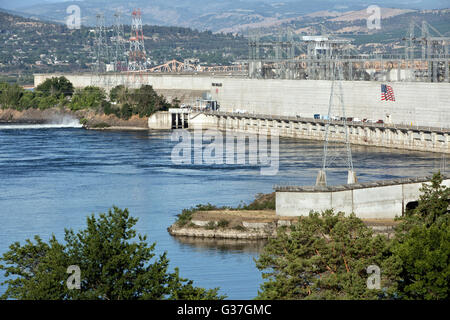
88, 97
27, 100
325, 256
115, 264
56, 86
145, 101
47, 102
424, 252
433, 204
126, 111
422, 243
119, 94
10, 95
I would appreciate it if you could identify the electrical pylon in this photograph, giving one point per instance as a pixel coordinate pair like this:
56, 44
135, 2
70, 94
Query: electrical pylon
120, 63
101, 51
328, 156
137, 61
120, 60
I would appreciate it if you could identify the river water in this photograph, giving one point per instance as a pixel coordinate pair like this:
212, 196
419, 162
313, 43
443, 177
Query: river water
52, 178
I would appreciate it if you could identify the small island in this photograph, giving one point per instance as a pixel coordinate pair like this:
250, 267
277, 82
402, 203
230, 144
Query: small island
256, 221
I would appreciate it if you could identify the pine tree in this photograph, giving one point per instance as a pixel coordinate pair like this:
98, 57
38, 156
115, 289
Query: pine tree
422, 243
115, 264
326, 256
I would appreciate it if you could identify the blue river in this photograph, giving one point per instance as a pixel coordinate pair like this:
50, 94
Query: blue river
52, 178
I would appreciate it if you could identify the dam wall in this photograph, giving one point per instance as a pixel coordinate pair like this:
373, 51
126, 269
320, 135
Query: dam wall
417, 103
372, 200
380, 135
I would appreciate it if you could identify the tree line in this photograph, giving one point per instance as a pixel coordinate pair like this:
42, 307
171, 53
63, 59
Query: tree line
60, 92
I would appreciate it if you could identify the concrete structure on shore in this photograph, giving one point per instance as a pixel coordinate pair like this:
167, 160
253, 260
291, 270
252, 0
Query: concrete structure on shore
371, 200
417, 103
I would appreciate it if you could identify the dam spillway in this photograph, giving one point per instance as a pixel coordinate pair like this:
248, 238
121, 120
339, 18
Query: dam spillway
380, 135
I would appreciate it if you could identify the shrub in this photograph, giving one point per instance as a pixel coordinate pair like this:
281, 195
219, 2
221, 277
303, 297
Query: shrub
223, 223
211, 225
185, 217
84, 121
100, 125
240, 228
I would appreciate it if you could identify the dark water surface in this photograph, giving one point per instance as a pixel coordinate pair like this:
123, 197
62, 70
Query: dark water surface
51, 179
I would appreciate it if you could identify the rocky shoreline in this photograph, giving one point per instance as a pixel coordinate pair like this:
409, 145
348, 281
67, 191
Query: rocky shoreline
219, 234
89, 118
249, 225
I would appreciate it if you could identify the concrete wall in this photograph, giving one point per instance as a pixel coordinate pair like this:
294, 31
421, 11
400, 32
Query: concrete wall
160, 120
417, 103
388, 136
426, 104
371, 201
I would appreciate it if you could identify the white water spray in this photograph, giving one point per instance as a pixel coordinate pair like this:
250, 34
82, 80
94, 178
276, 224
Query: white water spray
63, 122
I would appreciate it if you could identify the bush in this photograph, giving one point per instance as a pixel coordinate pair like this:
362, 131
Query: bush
211, 225
185, 217
240, 228
88, 98
100, 125
223, 223
84, 121
261, 202
47, 102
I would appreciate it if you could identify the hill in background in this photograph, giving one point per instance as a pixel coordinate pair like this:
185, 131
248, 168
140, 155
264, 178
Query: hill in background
36, 46
214, 15
33, 46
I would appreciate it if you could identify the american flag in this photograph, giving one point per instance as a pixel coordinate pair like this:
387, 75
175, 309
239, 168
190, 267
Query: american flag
387, 93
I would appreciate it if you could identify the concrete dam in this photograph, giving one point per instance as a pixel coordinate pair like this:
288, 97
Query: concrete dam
422, 104
418, 119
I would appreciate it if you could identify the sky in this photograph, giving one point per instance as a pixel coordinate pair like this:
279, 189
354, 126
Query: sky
8, 4
422, 4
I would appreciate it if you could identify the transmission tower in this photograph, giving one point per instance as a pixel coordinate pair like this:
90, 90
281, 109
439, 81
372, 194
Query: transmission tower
120, 60
119, 52
137, 54
101, 51
329, 156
